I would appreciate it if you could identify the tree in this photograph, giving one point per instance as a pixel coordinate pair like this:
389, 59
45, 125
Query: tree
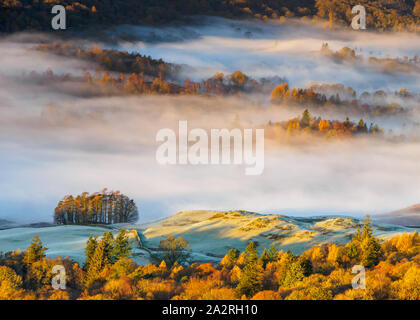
35, 251
10, 282
367, 228
251, 278
273, 253
294, 273
91, 245
108, 240
362, 127
306, 265
365, 246
122, 247
97, 264
229, 260
9, 275
279, 92
306, 118
264, 258
174, 250
239, 78
251, 253
269, 255
352, 250
371, 252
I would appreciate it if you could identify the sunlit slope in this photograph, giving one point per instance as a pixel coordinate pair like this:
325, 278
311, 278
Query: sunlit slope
213, 233
210, 234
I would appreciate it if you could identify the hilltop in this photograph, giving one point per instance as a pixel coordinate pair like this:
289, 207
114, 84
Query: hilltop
212, 233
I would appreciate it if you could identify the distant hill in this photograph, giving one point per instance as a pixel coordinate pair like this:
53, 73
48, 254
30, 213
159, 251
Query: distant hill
409, 217
6, 224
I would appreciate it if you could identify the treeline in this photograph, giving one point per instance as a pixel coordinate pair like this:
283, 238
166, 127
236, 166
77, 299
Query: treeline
323, 272
97, 208
385, 65
237, 83
306, 123
106, 83
114, 60
337, 98
17, 15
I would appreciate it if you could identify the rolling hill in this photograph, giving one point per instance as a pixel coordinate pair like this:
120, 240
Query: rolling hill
210, 234
409, 217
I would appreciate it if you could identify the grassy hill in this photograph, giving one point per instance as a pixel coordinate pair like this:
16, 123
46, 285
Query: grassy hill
212, 233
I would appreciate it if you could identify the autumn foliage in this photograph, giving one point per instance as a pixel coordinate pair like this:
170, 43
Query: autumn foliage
320, 273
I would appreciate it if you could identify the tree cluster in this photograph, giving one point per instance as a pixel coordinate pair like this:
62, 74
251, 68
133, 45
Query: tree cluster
97, 208
306, 123
384, 65
336, 98
114, 60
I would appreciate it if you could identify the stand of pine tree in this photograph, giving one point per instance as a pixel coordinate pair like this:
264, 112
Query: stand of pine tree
97, 208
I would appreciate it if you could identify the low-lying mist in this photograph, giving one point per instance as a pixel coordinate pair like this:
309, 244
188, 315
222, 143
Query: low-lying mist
54, 143
262, 50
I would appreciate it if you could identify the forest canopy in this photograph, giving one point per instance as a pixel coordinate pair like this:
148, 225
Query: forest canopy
105, 207
17, 15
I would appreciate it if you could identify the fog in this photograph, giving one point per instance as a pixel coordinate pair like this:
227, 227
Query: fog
53, 143
262, 50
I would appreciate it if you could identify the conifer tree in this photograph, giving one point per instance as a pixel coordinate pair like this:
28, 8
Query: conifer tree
91, 245
251, 254
122, 247
367, 228
306, 118
97, 263
365, 246
264, 259
108, 239
233, 255
251, 280
273, 253
371, 252
35, 251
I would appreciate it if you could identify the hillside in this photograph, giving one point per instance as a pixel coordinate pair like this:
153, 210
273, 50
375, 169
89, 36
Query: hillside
407, 217
6, 224
211, 233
